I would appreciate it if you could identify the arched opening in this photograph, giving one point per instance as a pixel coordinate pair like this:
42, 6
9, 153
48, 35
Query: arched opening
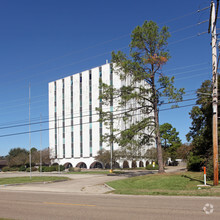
68, 165
114, 166
141, 164
125, 164
133, 164
147, 162
81, 165
107, 166
55, 164
96, 165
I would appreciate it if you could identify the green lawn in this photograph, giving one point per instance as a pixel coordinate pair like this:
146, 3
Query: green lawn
15, 180
95, 172
165, 184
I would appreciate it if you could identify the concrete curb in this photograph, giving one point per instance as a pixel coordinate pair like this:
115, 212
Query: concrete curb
106, 185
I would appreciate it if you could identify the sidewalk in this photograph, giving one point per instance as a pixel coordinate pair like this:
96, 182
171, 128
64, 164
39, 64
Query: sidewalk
79, 183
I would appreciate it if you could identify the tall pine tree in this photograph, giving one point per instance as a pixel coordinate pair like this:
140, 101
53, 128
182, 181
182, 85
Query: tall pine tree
143, 64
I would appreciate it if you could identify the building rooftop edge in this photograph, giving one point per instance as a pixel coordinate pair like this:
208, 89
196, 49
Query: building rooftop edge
79, 72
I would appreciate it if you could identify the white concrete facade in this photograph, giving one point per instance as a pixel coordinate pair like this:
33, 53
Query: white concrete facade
74, 130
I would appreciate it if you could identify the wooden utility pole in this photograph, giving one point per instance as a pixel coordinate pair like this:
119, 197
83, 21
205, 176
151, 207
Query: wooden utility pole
212, 22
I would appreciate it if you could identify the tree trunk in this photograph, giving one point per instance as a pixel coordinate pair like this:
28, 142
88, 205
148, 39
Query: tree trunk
158, 141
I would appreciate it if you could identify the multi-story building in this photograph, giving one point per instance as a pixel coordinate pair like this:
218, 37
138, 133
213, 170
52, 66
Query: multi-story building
74, 130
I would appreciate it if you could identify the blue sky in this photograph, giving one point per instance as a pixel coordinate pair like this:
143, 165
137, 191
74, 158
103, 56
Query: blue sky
44, 40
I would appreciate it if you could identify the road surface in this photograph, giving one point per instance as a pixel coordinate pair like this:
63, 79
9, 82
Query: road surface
59, 205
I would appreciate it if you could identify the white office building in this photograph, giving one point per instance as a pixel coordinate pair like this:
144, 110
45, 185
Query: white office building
74, 130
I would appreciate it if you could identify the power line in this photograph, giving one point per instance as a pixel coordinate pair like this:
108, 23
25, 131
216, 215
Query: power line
74, 117
47, 129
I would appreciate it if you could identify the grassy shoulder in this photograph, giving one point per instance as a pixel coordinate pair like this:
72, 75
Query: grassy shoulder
165, 184
96, 172
34, 179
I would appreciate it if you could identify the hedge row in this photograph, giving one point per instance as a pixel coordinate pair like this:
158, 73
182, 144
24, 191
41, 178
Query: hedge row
44, 168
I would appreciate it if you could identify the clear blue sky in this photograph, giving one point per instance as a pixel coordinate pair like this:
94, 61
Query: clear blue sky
41, 41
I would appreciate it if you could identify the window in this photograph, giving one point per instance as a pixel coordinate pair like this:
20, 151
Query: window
100, 106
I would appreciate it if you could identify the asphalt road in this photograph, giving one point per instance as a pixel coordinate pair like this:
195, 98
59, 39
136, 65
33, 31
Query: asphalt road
51, 205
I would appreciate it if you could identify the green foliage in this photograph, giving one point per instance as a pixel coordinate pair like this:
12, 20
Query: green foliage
210, 169
170, 140
52, 168
17, 157
167, 184
5, 169
150, 167
194, 162
15, 180
147, 83
32, 169
184, 150
201, 128
74, 169
22, 168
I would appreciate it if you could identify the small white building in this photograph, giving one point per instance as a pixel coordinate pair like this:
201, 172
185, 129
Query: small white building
74, 130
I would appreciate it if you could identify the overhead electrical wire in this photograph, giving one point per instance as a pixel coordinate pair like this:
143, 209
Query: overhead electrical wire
78, 116
47, 129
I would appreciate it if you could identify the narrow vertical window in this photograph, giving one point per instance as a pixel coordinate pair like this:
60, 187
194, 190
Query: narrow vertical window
90, 112
80, 100
63, 102
55, 117
72, 150
111, 105
100, 106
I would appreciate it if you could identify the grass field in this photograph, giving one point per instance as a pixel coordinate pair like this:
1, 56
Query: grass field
165, 184
16, 180
95, 172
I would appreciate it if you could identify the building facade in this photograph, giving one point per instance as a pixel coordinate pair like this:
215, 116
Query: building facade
74, 130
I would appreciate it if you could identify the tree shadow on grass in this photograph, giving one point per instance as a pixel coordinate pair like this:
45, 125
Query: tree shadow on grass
192, 179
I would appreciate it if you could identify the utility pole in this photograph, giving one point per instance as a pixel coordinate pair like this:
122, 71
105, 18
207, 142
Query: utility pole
40, 143
30, 127
212, 23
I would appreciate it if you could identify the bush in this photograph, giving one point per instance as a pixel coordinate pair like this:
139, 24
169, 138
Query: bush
74, 169
194, 163
32, 169
22, 168
14, 169
52, 168
5, 169
150, 167
210, 171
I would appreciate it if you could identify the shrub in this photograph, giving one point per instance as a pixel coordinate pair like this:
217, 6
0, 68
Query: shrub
150, 167
74, 169
32, 169
209, 173
5, 169
62, 168
14, 169
52, 168
194, 163
22, 168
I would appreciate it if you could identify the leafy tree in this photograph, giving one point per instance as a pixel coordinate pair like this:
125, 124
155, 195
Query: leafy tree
170, 140
147, 84
17, 157
184, 150
46, 156
201, 128
35, 156
104, 157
